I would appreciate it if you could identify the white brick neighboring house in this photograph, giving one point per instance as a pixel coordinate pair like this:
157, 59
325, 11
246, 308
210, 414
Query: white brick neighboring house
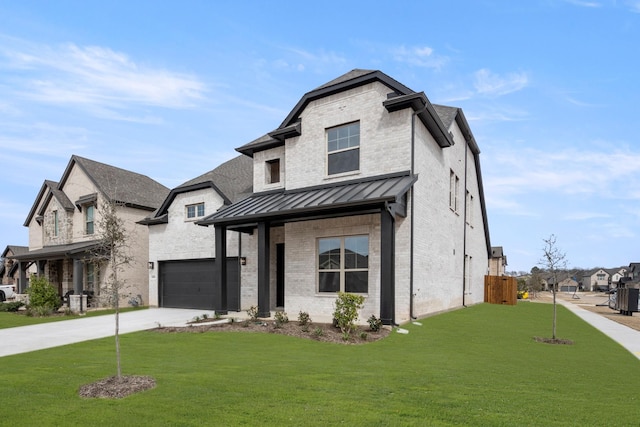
365, 187
64, 227
182, 254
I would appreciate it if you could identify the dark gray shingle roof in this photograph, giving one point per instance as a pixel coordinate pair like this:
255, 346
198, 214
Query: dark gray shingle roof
121, 185
234, 178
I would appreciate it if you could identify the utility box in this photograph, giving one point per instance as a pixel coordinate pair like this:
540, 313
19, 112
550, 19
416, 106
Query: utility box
627, 301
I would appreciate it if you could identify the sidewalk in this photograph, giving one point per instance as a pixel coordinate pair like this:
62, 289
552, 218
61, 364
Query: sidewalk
623, 335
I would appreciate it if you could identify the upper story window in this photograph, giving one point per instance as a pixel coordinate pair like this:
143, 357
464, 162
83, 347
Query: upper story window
343, 149
56, 230
470, 208
195, 211
89, 213
273, 171
454, 191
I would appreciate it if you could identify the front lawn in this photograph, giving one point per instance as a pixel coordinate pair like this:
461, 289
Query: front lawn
476, 366
12, 320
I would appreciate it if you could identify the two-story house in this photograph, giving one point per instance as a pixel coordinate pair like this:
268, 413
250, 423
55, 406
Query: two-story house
365, 187
597, 279
64, 227
497, 262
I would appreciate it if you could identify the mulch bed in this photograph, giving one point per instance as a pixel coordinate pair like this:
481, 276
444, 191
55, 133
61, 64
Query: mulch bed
553, 340
117, 388
315, 331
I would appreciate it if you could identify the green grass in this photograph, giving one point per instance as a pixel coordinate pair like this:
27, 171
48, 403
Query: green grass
12, 320
477, 366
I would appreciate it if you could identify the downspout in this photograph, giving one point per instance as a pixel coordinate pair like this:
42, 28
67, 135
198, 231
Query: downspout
411, 239
464, 225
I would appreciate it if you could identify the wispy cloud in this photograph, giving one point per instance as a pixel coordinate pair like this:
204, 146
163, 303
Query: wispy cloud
421, 56
584, 3
491, 84
634, 5
94, 77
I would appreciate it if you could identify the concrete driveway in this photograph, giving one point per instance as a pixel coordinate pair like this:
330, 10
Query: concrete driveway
36, 337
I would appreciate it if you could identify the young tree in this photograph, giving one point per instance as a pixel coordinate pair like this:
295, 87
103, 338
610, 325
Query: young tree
113, 248
553, 260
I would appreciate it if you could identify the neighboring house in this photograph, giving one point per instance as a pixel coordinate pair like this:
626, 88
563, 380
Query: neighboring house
64, 227
365, 187
182, 255
616, 274
497, 262
568, 284
8, 267
596, 280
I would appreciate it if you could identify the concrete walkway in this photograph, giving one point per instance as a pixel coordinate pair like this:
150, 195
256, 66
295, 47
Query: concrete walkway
37, 337
623, 335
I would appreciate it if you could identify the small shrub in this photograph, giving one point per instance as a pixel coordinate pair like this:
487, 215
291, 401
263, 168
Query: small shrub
252, 312
42, 295
11, 306
280, 319
374, 323
196, 319
205, 316
363, 336
39, 311
245, 324
346, 312
305, 328
318, 332
303, 318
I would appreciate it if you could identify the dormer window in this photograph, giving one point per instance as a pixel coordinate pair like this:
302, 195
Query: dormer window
195, 211
343, 149
273, 171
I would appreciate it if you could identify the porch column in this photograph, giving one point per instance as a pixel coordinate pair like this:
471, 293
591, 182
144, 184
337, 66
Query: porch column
264, 300
387, 268
22, 277
220, 275
41, 267
78, 273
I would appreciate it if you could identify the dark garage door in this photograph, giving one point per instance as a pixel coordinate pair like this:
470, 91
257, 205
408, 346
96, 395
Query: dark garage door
189, 284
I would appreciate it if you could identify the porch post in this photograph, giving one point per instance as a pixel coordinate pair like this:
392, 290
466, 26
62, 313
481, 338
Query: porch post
220, 279
22, 277
41, 264
264, 300
78, 273
387, 268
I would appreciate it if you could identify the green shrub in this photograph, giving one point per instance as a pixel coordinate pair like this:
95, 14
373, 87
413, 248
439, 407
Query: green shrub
253, 313
303, 318
39, 311
346, 312
42, 295
280, 319
11, 306
374, 323
318, 332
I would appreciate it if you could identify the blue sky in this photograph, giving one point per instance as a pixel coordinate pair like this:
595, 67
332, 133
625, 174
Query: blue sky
169, 89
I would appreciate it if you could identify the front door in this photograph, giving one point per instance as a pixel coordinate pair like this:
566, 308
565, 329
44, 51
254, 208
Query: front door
280, 275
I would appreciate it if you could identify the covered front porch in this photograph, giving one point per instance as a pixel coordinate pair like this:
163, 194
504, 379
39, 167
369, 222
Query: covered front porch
353, 212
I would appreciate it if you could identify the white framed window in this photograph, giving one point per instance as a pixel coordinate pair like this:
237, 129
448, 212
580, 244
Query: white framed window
195, 211
343, 264
89, 213
343, 149
273, 171
454, 191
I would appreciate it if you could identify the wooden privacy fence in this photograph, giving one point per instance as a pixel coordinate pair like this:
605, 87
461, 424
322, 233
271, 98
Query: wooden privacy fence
500, 290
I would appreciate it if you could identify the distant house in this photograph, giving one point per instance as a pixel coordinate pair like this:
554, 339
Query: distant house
597, 279
64, 222
616, 274
365, 187
497, 262
182, 255
8, 267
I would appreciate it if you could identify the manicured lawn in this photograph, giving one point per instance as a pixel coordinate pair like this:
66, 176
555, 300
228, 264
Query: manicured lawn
477, 366
11, 320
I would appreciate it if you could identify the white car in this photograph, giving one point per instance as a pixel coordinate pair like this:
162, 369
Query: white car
6, 292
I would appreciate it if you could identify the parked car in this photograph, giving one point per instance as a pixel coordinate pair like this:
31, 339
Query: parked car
6, 292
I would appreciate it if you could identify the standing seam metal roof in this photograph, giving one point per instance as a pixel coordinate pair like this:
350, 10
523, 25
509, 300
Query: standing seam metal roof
306, 201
